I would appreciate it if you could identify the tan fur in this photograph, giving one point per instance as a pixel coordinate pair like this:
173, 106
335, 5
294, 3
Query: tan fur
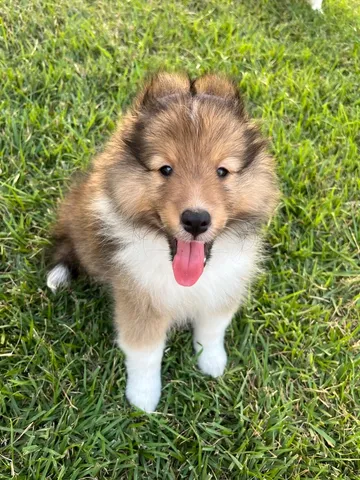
195, 127
215, 85
132, 314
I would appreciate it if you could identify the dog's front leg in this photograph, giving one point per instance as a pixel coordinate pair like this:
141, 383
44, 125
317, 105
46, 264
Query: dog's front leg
209, 333
141, 336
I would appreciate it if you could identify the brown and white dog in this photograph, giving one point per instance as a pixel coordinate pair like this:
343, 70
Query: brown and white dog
170, 215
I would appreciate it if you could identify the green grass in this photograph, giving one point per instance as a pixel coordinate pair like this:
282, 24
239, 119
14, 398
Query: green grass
288, 406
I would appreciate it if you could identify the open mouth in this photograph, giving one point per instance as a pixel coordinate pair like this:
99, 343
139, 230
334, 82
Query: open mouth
189, 260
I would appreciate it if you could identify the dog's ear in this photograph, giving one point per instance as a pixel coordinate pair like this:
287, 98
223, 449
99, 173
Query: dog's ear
216, 85
221, 87
163, 85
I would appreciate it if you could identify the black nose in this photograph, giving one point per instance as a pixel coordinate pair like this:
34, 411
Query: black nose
195, 222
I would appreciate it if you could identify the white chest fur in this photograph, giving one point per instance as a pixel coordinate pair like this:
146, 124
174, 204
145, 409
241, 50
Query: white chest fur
146, 258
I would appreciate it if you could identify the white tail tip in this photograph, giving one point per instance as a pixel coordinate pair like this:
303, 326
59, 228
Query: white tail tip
57, 277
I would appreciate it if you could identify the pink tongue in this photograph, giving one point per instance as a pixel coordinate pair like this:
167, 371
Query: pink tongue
188, 264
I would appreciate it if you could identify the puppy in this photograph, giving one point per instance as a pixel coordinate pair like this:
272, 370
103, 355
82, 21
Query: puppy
170, 216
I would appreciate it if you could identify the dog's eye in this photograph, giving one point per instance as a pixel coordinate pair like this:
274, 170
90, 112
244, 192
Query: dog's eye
222, 172
166, 170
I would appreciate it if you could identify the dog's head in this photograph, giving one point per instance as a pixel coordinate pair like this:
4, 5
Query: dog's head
192, 167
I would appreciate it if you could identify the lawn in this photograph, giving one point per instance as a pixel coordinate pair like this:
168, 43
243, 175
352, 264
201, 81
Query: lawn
288, 406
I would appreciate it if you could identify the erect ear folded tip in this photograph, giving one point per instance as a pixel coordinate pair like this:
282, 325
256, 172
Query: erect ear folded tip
162, 85
217, 85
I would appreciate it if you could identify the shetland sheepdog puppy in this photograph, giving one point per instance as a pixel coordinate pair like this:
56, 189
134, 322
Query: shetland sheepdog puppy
170, 216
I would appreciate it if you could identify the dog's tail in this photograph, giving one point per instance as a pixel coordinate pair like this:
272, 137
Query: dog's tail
65, 264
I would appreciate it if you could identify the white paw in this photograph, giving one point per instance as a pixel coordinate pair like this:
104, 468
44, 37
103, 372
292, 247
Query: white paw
144, 393
212, 360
